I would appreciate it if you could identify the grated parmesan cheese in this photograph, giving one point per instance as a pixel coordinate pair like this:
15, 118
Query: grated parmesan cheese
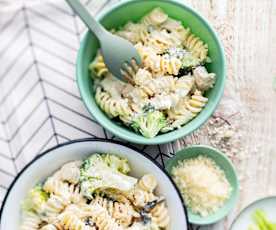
202, 183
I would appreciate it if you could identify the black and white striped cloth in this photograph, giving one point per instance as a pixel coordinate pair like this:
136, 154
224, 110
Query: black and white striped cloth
40, 105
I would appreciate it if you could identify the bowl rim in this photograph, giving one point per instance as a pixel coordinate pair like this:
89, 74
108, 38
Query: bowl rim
249, 206
49, 151
235, 192
161, 138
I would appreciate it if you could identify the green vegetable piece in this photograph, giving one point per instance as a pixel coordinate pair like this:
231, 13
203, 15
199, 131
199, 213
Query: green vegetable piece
253, 227
190, 61
105, 171
260, 218
117, 163
149, 124
35, 199
267, 223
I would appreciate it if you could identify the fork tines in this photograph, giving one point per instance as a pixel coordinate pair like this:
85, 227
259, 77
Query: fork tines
128, 70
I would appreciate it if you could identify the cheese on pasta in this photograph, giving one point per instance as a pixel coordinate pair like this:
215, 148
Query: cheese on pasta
173, 60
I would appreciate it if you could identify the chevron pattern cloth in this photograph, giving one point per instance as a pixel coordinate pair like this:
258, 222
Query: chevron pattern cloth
40, 106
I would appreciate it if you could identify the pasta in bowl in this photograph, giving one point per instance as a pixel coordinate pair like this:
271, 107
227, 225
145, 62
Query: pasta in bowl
167, 91
93, 184
177, 87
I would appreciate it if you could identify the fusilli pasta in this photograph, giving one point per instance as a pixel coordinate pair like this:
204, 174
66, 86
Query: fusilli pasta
198, 48
98, 66
69, 221
49, 227
70, 172
56, 186
31, 221
196, 103
123, 213
147, 183
62, 202
102, 219
155, 17
160, 215
112, 107
172, 70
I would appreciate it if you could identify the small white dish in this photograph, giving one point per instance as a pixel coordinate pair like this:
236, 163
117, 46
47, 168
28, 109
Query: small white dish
46, 163
244, 219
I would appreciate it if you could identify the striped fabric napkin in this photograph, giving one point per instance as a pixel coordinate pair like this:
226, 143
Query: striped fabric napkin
40, 105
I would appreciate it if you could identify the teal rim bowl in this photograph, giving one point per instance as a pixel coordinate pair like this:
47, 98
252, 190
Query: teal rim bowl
225, 164
118, 15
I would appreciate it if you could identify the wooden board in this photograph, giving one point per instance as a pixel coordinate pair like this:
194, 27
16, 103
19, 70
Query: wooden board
248, 31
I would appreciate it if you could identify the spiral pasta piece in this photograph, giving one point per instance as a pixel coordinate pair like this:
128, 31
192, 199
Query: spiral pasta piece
70, 172
160, 41
162, 84
164, 101
49, 227
142, 76
176, 29
160, 215
184, 85
196, 103
136, 96
126, 119
161, 64
140, 197
69, 221
98, 66
151, 85
169, 100
75, 194
101, 218
134, 32
31, 221
149, 58
196, 46
186, 109
55, 204
122, 213
148, 183
169, 65
56, 186
112, 108
178, 115
155, 17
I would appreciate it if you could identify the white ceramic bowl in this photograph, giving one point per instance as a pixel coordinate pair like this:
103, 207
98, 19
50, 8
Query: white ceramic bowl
244, 219
49, 161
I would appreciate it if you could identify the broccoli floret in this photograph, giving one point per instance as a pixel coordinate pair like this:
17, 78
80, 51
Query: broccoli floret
35, 199
117, 163
149, 124
104, 171
190, 61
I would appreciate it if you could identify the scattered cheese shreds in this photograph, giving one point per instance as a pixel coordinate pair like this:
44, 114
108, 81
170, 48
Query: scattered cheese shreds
202, 183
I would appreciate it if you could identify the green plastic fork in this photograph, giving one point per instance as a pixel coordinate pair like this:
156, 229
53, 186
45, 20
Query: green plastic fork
120, 56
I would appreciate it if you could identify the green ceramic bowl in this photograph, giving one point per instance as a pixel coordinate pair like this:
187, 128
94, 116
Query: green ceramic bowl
225, 164
133, 10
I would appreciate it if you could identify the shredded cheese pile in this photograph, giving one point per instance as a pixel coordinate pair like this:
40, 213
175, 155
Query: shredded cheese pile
202, 183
